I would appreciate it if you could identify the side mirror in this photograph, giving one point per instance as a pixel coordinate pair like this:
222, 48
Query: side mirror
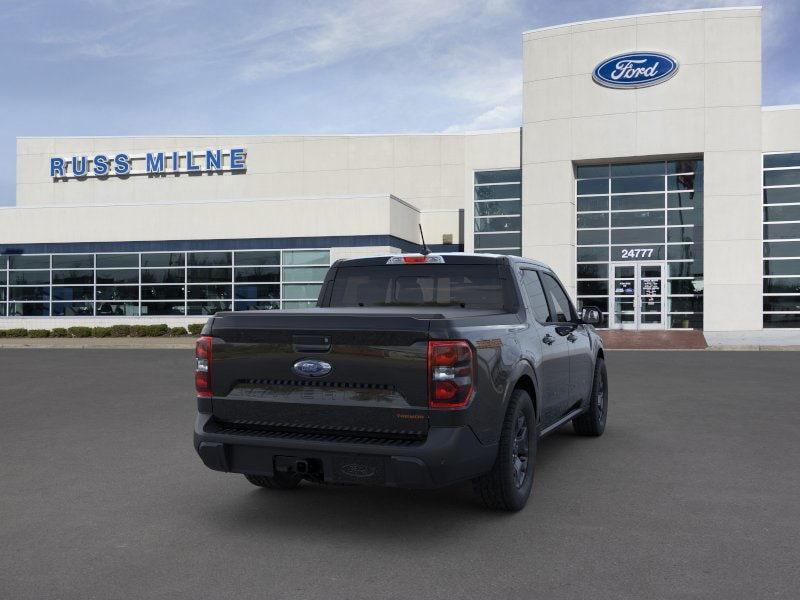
591, 315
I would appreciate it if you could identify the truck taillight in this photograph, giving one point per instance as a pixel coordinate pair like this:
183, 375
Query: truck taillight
202, 371
450, 373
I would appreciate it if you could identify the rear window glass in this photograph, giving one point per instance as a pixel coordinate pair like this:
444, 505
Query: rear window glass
465, 286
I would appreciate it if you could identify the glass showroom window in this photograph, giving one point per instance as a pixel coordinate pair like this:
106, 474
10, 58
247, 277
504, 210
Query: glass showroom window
129, 284
781, 302
28, 285
303, 273
498, 211
117, 284
3, 285
648, 212
257, 280
73, 285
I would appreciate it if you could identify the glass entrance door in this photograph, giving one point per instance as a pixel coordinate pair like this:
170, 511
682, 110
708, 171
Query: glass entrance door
637, 295
623, 296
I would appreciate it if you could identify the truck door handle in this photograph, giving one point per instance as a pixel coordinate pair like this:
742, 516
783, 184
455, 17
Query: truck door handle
548, 339
571, 337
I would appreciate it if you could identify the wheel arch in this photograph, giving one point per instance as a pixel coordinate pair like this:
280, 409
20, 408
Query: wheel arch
524, 377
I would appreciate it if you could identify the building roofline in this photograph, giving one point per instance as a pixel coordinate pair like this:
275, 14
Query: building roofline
264, 135
781, 107
651, 14
387, 195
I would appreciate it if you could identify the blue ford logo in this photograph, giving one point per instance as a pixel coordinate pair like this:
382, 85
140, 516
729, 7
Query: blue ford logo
310, 367
635, 70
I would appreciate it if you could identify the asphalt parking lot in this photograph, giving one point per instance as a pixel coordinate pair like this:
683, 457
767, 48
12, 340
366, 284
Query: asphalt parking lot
693, 492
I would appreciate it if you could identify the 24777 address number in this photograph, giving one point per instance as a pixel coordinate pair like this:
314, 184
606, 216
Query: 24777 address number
637, 252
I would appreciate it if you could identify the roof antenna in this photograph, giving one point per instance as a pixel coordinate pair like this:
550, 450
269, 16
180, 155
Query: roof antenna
425, 249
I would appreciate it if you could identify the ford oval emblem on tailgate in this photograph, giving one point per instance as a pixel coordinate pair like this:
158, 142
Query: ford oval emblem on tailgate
310, 367
358, 470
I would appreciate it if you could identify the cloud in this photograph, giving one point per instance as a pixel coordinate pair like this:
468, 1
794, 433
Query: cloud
257, 41
649, 6
779, 22
493, 95
786, 93
497, 117
104, 29
335, 34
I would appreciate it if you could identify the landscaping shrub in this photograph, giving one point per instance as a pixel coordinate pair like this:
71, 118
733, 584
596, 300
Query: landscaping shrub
17, 332
120, 330
138, 330
157, 330
80, 332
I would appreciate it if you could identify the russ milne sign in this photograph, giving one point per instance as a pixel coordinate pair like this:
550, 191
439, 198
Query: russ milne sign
635, 70
150, 163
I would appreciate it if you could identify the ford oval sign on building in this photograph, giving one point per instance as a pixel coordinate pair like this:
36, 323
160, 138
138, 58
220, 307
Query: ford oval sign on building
635, 70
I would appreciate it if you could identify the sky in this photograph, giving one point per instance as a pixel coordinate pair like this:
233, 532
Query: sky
171, 67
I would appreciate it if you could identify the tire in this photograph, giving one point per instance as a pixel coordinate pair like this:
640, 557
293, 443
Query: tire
508, 485
276, 482
593, 421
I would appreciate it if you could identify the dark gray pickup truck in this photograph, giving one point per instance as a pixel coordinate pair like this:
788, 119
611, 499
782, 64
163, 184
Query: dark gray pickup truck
413, 371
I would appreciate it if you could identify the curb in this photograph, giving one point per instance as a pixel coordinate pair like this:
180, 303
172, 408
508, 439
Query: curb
187, 343
165, 343
719, 348
754, 348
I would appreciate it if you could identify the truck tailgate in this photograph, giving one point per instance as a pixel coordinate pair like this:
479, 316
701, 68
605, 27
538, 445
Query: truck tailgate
377, 385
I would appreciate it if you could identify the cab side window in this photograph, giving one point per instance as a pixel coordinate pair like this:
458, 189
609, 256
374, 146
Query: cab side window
562, 311
536, 297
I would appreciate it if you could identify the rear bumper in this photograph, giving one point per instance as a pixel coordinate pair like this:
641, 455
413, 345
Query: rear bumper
448, 455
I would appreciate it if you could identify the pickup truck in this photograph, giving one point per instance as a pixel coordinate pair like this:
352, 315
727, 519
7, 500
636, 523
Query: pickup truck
413, 370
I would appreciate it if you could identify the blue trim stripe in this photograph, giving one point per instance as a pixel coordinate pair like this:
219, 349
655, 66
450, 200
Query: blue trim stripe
335, 241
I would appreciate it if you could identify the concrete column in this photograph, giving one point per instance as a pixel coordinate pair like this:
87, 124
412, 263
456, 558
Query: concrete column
733, 162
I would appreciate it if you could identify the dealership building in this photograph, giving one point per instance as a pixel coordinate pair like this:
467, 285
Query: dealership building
645, 171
